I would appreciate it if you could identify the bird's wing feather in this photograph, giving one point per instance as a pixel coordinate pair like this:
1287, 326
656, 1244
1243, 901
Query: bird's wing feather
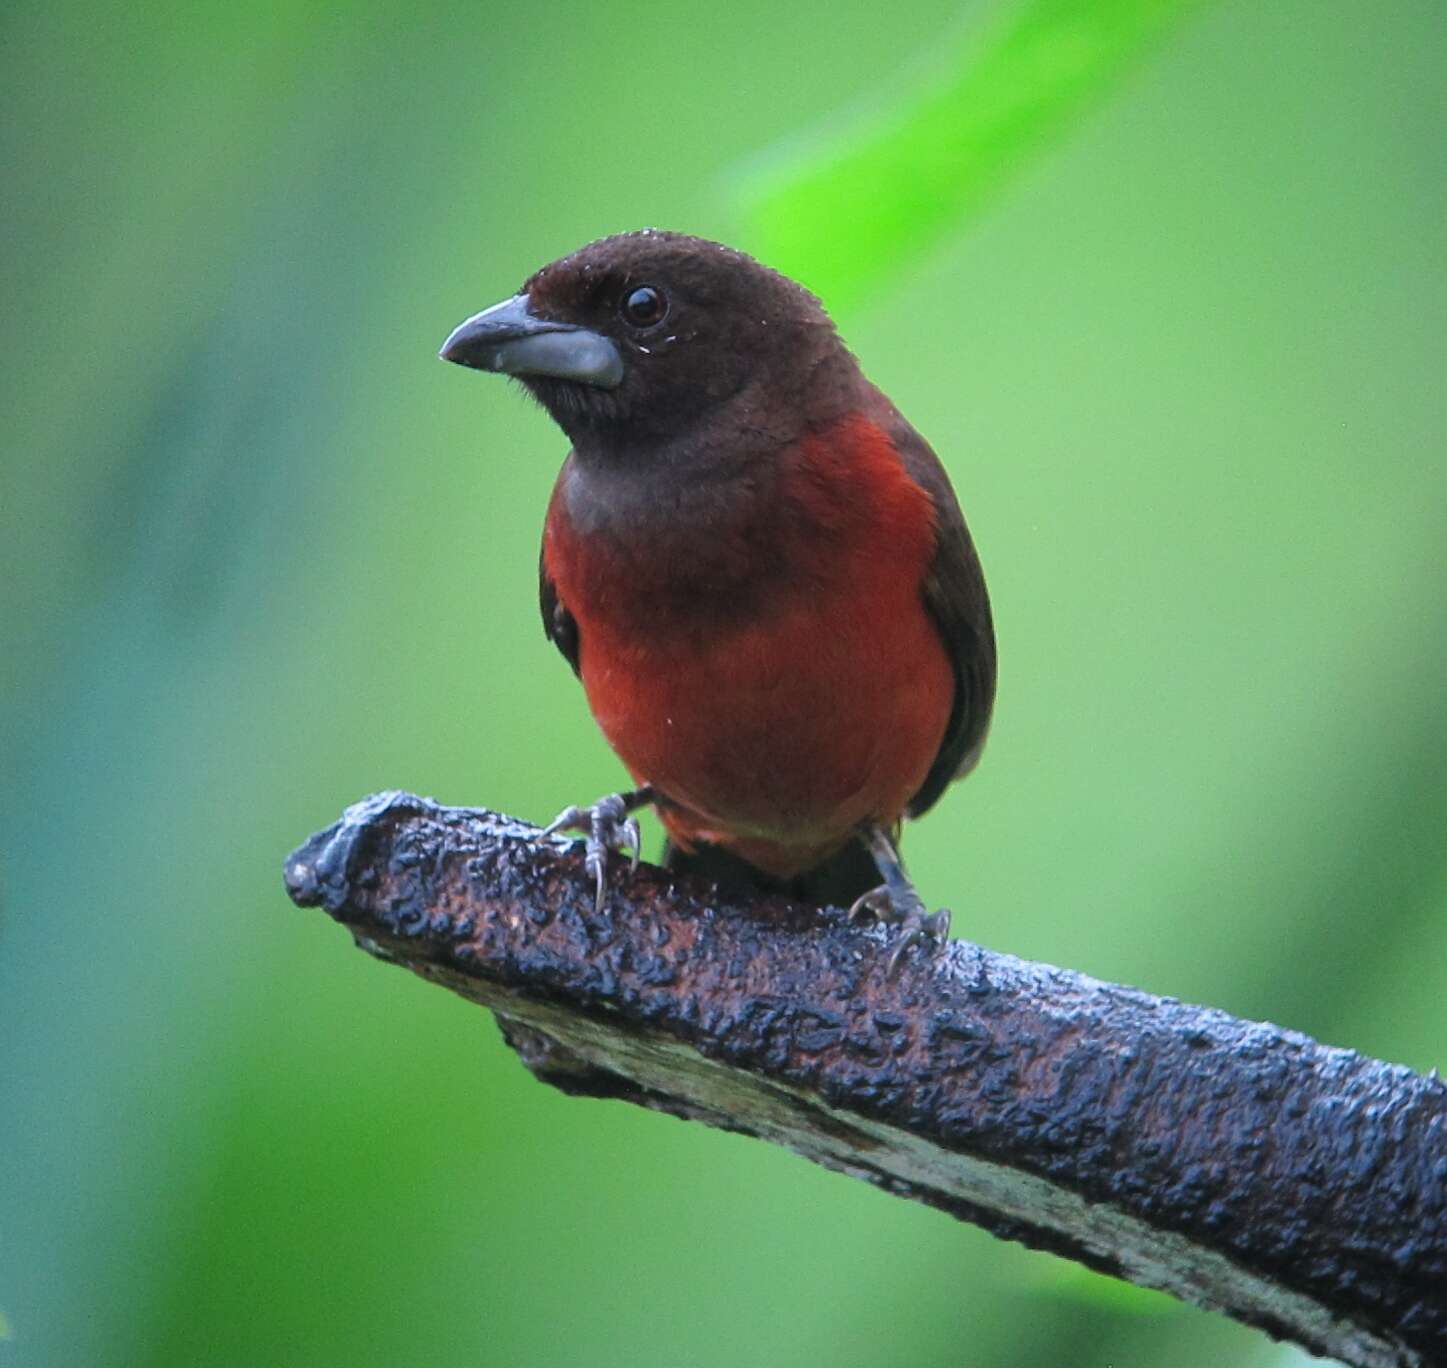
560, 626
955, 595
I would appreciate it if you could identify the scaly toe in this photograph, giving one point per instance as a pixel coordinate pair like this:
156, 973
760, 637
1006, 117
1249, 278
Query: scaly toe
919, 928
595, 862
874, 904
569, 819
606, 826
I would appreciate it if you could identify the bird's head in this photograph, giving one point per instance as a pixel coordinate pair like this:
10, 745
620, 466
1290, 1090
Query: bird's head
635, 338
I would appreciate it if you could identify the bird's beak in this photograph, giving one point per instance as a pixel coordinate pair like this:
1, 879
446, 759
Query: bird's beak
510, 338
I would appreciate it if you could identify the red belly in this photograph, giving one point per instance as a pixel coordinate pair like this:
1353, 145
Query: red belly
777, 740
774, 671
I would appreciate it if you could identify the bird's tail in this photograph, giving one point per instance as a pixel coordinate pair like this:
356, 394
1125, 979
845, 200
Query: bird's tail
837, 882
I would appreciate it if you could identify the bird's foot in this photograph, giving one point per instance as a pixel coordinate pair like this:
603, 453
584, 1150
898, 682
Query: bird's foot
903, 908
606, 825
896, 901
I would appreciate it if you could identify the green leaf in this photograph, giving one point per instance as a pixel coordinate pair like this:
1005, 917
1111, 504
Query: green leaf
843, 210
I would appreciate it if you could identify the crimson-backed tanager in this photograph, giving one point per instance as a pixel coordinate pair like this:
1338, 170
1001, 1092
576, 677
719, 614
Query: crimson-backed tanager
755, 565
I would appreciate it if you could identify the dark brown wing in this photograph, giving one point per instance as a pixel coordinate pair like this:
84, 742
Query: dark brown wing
559, 624
954, 593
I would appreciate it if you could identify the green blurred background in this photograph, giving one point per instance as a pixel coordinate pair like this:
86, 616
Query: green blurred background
1179, 338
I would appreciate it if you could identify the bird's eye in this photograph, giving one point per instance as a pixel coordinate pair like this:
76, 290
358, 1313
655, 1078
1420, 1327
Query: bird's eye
644, 306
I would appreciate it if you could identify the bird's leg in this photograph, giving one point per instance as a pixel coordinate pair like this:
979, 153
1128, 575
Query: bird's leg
896, 900
606, 825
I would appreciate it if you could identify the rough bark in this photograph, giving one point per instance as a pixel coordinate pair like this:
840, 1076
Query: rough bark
1239, 1166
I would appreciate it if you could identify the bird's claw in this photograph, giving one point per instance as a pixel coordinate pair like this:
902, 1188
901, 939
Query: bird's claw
921, 928
917, 927
606, 826
874, 904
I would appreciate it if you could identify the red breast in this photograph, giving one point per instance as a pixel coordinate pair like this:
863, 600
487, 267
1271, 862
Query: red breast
776, 674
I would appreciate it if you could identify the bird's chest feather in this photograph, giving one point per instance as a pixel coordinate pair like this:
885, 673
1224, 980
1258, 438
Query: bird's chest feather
765, 657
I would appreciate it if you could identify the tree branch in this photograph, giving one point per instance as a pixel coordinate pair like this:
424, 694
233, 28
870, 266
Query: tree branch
1236, 1165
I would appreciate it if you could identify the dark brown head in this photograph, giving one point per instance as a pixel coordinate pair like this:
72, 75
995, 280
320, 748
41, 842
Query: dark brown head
634, 339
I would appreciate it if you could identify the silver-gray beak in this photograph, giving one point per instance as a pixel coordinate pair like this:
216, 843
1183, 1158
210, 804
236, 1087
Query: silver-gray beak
511, 339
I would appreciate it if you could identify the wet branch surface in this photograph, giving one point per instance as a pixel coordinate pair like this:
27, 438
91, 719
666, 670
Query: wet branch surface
1239, 1166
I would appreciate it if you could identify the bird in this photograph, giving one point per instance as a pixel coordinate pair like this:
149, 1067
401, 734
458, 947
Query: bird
757, 568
